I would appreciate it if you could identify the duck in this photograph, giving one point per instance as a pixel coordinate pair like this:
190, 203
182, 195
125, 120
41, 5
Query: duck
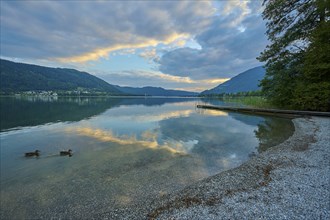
66, 153
36, 153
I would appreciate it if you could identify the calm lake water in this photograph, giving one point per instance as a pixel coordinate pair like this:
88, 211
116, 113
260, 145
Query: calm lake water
125, 150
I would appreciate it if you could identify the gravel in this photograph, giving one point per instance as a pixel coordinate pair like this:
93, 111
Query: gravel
289, 181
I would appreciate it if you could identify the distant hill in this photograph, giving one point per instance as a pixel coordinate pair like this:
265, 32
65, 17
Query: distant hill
243, 82
154, 91
26, 77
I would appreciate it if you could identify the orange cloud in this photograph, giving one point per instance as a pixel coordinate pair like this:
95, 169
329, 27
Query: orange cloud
201, 85
104, 52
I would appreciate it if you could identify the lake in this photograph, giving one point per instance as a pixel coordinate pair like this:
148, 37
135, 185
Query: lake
125, 150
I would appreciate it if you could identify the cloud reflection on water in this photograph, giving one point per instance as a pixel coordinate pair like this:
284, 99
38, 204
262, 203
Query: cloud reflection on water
211, 112
125, 154
185, 131
163, 116
148, 139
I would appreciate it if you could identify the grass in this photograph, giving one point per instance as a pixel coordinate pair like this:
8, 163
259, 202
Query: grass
250, 101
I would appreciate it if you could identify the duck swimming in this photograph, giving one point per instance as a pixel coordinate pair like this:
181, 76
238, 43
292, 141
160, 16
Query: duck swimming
32, 154
66, 153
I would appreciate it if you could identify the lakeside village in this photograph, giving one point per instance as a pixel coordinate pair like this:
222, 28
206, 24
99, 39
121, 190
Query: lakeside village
55, 94
83, 92
50, 96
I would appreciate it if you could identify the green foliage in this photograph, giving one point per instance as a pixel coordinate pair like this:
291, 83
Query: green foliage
251, 101
313, 88
237, 94
312, 96
297, 60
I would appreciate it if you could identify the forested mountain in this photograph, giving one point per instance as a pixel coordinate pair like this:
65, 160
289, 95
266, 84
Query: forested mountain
154, 91
26, 77
18, 77
243, 82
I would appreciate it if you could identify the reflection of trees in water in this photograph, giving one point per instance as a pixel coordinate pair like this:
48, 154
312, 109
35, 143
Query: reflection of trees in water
273, 131
153, 101
219, 142
38, 110
28, 112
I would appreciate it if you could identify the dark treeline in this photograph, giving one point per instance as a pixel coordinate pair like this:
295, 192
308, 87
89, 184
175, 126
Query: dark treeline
236, 94
298, 58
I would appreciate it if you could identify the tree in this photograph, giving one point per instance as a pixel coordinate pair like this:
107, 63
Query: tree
297, 30
315, 81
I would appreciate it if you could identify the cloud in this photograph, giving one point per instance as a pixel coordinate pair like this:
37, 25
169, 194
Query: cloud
149, 54
141, 78
236, 11
125, 51
211, 145
191, 45
227, 48
78, 32
104, 52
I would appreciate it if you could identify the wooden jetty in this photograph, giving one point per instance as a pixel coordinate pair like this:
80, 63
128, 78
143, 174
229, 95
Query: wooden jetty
266, 111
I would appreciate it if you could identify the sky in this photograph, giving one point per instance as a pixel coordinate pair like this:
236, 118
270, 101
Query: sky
187, 45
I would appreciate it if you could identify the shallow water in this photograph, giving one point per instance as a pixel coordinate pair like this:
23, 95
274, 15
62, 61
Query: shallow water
125, 150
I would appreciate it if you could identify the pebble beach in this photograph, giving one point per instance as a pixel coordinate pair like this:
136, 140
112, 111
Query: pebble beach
289, 181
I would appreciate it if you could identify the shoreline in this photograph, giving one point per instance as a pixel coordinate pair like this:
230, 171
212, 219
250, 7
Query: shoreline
288, 181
